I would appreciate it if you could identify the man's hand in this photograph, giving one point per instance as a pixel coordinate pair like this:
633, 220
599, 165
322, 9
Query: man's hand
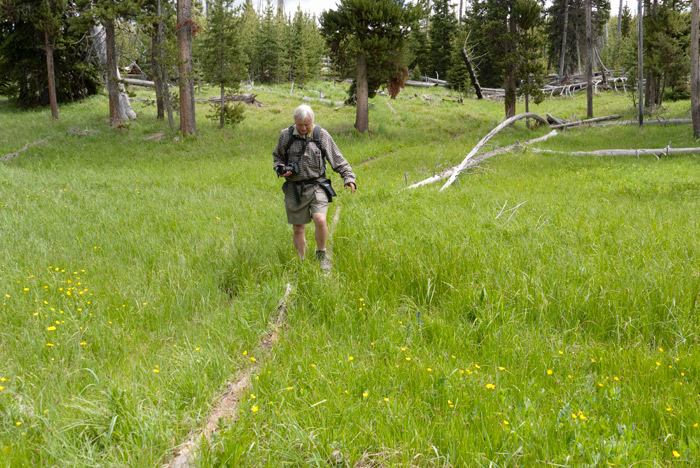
352, 187
286, 174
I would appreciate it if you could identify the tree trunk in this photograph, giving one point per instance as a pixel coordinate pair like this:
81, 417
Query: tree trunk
695, 67
510, 84
51, 75
640, 61
619, 23
589, 61
362, 113
165, 87
472, 75
578, 53
223, 106
157, 78
188, 125
562, 55
459, 16
105, 46
112, 83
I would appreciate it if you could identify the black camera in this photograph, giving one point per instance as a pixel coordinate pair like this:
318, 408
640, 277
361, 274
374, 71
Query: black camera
291, 167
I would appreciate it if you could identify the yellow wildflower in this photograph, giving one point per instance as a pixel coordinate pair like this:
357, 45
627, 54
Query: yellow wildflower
490, 386
550, 372
676, 454
254, 409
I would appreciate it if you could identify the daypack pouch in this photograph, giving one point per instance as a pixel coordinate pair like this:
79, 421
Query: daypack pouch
328, 188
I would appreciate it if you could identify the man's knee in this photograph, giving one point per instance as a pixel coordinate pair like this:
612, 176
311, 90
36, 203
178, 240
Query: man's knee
319, 219
299, 229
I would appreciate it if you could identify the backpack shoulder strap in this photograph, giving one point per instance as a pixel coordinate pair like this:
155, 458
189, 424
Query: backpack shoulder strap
290, 131
316, 138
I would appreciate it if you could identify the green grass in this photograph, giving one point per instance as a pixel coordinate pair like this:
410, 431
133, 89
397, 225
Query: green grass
454, 330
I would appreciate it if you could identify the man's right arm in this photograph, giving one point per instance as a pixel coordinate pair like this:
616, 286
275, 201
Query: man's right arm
278, 154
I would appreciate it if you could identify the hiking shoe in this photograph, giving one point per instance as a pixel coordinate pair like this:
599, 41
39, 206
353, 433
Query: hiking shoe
323, 260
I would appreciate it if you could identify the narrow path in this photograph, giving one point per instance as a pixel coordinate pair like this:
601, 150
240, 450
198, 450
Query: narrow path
226, 406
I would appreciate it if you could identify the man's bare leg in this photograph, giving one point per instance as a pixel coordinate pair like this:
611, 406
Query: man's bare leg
299, 239
321, 232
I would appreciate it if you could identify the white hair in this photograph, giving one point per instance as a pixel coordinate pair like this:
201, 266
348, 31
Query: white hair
302, 112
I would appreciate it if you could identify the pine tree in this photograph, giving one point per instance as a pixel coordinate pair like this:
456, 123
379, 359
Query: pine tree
267, 47
23, 65
250, 25
366, 40
443, 28
223, 57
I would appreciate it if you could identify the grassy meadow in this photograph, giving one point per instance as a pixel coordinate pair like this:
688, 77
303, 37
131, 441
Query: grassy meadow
540, 312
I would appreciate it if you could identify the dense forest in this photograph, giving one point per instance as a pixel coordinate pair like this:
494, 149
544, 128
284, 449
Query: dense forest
60, 50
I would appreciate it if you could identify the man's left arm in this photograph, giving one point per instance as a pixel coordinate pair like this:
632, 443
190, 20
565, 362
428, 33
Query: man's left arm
338, 162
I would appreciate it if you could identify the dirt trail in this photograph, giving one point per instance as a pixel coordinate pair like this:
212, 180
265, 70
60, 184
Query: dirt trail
226, 406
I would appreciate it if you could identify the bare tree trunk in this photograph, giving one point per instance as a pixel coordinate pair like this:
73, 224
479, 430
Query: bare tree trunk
48, 40
459, 16
562, 55
509, 83
165, 90
578, 53
223, 106
362, 112
157, 78
105, 45
112, 83
188, 124
619, 22
640, 61
650, 87
589, 61
695, 67
472, 74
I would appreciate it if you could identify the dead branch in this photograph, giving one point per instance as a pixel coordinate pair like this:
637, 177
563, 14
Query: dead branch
484, 140
580, 122
667, 151
482, 157
9, 156
648, 122
390, 106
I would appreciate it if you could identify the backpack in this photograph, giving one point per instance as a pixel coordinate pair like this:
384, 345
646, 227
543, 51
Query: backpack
315, 138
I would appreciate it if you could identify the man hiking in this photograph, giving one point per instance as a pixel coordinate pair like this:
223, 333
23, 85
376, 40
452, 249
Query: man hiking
300, 157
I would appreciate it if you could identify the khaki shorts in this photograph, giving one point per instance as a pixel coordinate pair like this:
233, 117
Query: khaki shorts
313, 200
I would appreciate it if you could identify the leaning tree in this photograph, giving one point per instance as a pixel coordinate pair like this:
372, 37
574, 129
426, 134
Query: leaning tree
366, 41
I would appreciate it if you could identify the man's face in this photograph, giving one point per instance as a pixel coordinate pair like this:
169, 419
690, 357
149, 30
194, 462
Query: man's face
304, 126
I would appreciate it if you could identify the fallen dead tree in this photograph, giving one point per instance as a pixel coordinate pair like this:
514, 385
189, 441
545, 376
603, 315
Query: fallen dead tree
420, 84
9, 156
246, 98
475, 150
651, 122
586, 121
478, 159
625, 152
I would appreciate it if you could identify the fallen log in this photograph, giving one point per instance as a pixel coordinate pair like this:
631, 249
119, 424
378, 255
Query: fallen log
246, 98
419, 84
580, 122
144, 83
478, 159
625, 152
501, 126
435, 80
9, 156
646, 122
